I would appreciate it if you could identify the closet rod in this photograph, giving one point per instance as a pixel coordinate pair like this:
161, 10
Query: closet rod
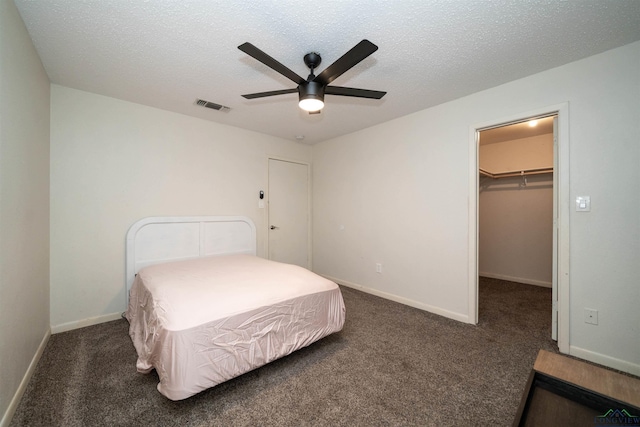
516, 173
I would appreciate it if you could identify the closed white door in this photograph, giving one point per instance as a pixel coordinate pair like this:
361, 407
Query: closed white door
288, 199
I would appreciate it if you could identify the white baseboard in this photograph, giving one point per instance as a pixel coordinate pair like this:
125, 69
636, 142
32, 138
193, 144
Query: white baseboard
77, 324
406, 301
516, 279
15, 401
604, 360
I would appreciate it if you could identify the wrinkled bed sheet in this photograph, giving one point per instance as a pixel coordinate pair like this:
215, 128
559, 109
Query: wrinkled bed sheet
204, 321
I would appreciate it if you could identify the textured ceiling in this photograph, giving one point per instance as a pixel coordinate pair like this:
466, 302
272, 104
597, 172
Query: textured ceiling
168, 53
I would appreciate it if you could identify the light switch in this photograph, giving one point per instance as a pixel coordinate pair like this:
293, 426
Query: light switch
583, 204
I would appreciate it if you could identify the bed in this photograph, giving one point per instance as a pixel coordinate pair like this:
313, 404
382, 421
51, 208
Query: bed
203, 308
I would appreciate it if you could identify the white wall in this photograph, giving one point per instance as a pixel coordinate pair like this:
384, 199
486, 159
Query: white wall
401, 190
24, 208
114, 162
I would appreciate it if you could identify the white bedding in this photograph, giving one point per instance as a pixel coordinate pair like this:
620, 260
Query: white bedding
204, 321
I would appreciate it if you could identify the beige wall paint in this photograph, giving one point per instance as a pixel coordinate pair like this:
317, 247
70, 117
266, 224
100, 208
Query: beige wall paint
535, 152
24, 208
114, 162
516, 218
401, 191
515, 239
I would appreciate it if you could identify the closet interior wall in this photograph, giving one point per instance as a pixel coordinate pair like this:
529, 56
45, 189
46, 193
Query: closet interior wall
516, 210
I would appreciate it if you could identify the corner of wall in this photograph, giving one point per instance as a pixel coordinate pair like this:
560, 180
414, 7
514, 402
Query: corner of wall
15, 401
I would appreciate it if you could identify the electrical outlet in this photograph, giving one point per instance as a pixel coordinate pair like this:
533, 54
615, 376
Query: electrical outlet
591, 316
378, 267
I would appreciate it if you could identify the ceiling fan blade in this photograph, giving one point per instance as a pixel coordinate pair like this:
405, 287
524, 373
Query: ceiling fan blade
256, 53
350, 91
270, 93
346, 61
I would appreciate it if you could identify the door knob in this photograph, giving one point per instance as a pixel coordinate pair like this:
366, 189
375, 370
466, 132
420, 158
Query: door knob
273, 227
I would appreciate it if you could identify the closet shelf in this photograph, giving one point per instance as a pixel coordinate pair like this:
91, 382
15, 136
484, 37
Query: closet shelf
524, 172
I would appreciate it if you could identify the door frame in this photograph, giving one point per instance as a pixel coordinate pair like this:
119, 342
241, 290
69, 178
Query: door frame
561, 200
309, 206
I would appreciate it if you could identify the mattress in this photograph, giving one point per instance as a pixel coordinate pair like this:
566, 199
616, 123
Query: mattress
204, 321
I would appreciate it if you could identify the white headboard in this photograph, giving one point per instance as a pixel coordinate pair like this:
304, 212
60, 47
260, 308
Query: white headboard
154, 240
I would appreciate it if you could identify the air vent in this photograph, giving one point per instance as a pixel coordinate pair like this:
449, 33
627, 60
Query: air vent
212, 105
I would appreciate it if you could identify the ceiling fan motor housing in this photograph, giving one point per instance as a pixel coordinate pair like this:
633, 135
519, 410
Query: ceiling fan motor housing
311, 90
312, 60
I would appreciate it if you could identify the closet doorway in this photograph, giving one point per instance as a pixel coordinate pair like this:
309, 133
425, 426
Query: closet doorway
506, 180
516, 212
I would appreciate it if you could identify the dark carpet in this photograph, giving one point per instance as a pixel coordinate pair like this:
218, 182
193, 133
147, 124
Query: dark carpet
391, 365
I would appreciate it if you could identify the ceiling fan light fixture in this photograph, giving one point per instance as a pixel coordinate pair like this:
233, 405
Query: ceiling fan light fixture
311, 96
311, 104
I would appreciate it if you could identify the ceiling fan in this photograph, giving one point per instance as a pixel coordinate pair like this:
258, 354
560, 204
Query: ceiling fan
311, 91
